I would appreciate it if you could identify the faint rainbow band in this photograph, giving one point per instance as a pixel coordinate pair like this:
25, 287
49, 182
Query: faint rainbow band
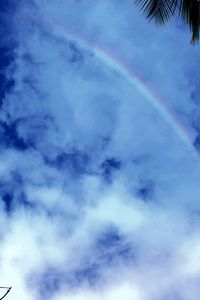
114, 63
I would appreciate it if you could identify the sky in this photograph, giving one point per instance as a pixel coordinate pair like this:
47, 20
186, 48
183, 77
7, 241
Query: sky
100, 161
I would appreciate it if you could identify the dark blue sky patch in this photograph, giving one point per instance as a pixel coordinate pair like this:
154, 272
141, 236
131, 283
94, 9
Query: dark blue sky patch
33, 131
31, 78
13, 202
7, 46
8, 6
141, 159
49, 282
194, 217
88, 275
13, 196
46, 283
69, 49
23, 202
109, 166
7, 200
146, 190
10, 138
75, 161
6, 195
171, 295
5, 86
29, 59
76, 55
6, 56
108, 238
112, 247
32, 84
197, 143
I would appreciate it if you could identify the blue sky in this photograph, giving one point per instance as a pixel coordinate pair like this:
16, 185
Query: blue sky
99, 190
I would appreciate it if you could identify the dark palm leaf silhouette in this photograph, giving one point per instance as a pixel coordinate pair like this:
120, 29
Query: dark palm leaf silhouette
8, 290
162, 11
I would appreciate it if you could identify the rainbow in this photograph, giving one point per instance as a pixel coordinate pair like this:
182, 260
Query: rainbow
131, 77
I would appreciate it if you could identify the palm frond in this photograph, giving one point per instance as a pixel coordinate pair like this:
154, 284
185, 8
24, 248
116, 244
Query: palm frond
159, 10
162, 11
189, 11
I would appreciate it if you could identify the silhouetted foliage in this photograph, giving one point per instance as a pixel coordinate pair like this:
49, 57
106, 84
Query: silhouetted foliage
8, 290
163, 10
